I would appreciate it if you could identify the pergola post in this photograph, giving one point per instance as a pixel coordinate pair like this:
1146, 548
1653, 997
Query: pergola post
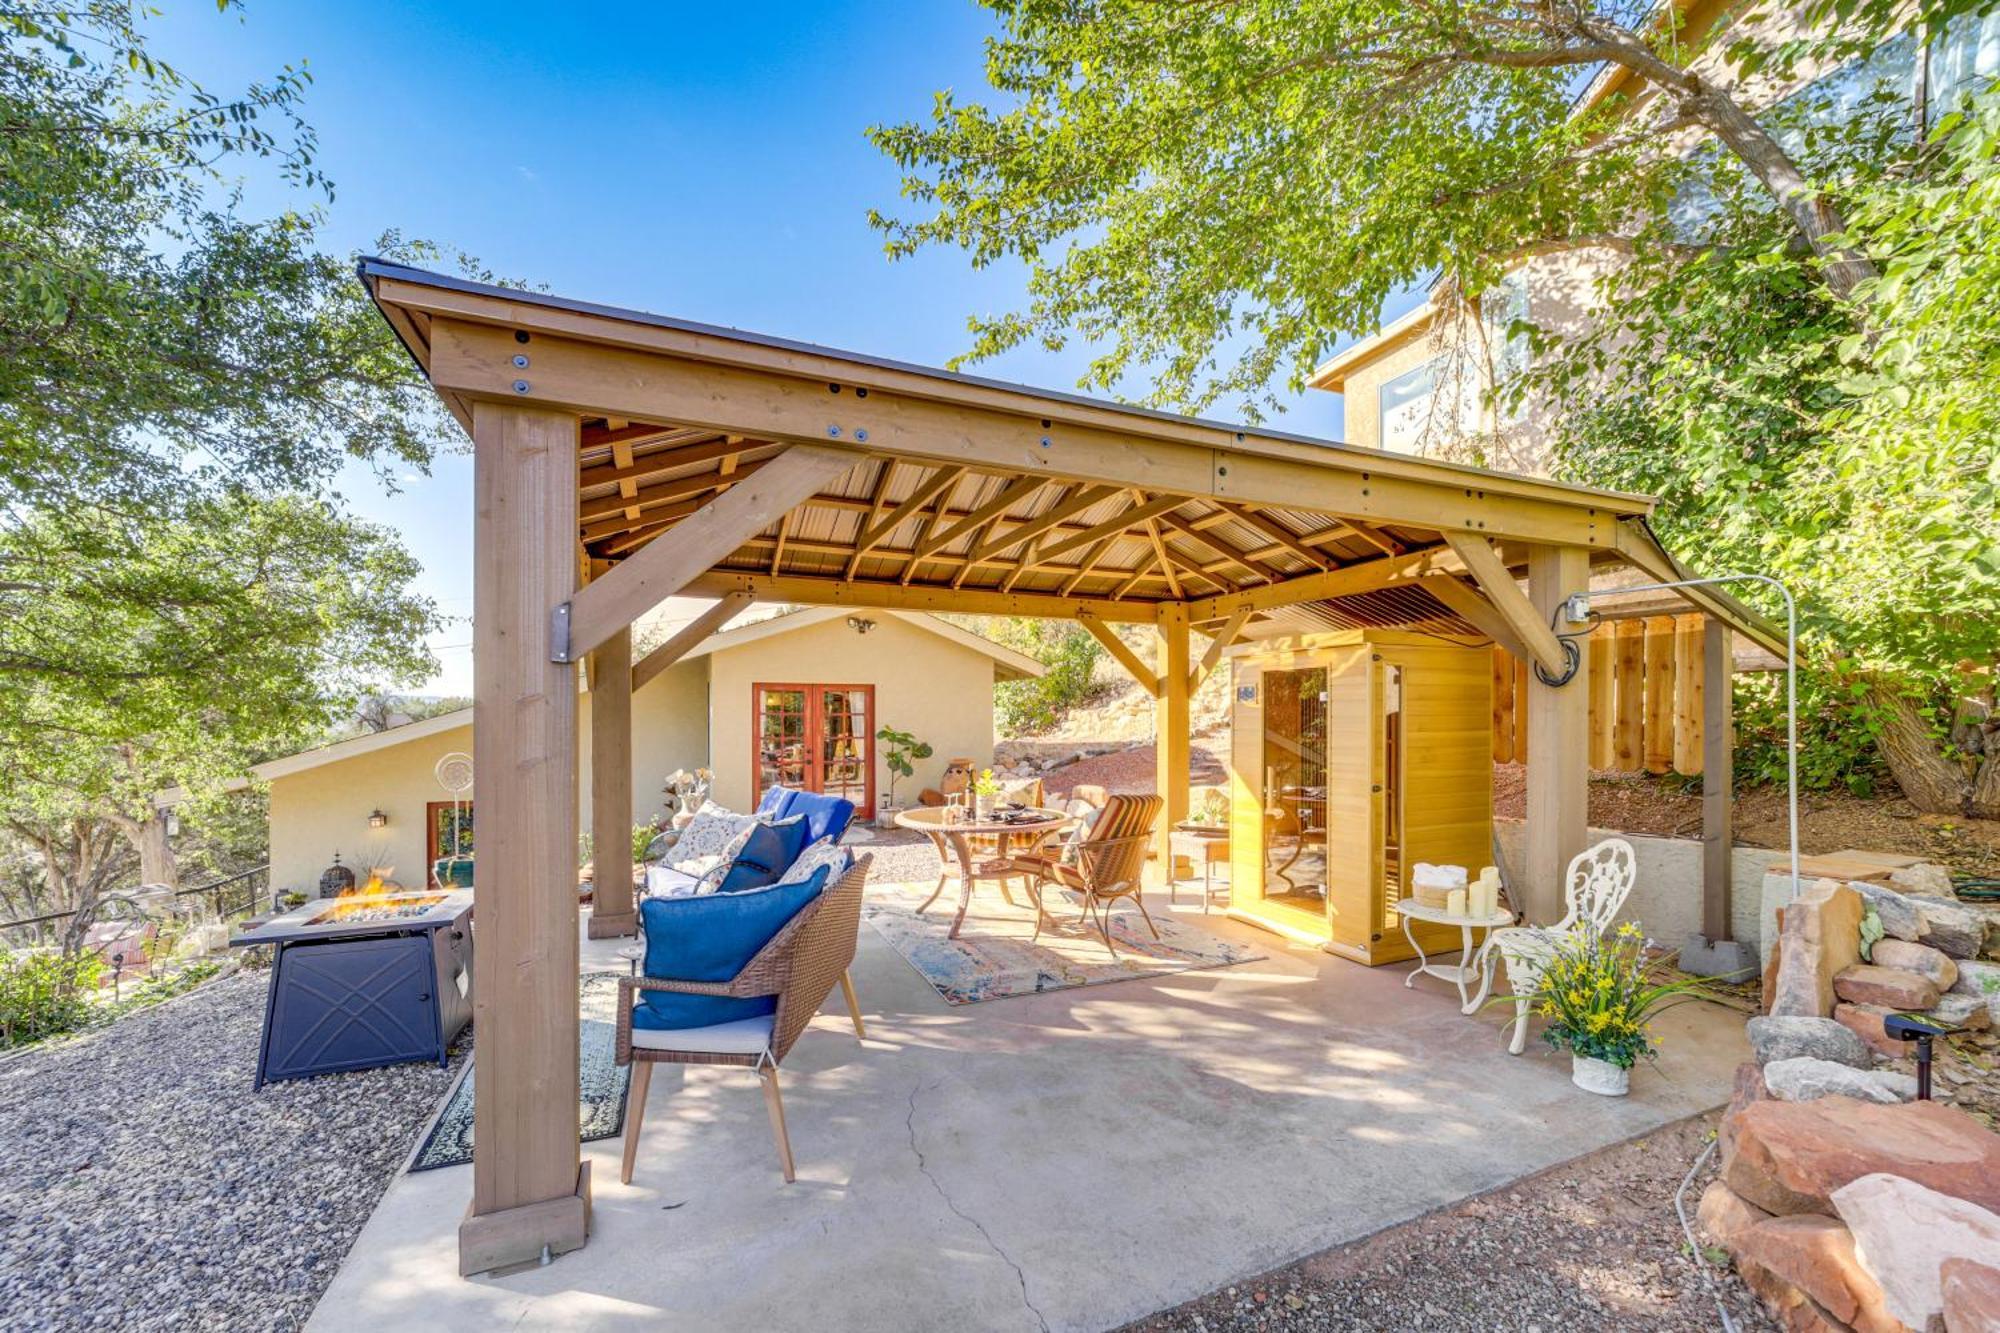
1558, 743
612, 911
1718, 778
530, 1191
1172, 723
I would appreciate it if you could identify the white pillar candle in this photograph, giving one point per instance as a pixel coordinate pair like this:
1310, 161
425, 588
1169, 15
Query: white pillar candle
1454, 902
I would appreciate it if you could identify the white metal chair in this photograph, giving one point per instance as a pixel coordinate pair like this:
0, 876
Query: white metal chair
1595, 887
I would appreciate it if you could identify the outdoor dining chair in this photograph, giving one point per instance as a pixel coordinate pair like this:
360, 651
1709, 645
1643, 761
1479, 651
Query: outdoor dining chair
1595, 887
800, 965
1103, 866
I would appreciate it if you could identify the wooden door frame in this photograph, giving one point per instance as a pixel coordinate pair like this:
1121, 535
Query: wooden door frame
814, 719
431, 849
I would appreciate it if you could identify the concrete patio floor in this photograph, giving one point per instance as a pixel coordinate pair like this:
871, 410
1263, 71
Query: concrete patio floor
1071, 1160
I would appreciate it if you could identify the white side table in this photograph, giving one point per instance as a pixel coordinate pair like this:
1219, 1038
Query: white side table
1472, 965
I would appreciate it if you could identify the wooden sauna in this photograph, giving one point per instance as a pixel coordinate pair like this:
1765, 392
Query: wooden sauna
1354, 755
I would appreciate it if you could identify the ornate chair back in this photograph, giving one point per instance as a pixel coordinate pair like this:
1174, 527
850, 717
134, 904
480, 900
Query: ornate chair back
1597, 884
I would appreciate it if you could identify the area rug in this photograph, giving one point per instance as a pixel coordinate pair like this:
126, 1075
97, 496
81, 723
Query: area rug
601, 1097
994, 957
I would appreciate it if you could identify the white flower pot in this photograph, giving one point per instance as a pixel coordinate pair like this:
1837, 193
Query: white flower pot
1599, 1076
982, 808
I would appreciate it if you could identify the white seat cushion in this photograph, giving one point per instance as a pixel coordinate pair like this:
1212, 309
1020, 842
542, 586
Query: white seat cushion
740, 1036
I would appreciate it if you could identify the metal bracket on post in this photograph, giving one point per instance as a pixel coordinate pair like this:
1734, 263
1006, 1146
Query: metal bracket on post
559, 634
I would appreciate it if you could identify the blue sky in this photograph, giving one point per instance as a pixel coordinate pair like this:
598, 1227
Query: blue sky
699, 160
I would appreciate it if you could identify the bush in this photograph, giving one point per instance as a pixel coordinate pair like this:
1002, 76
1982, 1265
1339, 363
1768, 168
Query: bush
45, 994
1069, 653
1838, 727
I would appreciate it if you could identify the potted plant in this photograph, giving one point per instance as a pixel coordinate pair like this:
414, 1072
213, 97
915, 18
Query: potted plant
899, 753
1212, 819
1599, 996
985, 788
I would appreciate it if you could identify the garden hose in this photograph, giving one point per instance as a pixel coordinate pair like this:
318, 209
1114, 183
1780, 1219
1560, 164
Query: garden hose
1977, 890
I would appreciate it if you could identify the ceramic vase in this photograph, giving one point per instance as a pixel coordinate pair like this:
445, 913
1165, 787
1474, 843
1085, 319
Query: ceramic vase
1599, 1076
983, 808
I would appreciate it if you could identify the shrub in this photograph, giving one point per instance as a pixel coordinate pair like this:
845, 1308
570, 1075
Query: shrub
1838, 727
1071, 656
45, 994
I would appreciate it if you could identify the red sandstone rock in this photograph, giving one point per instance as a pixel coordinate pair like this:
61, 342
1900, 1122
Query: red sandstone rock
1795, 1311
1816, 1255
1789, 1157
1724, 1214
1904, 1232
1971, 1296
1865, 1020
1749, 1087
1819, 936
1925, 961
1866, 984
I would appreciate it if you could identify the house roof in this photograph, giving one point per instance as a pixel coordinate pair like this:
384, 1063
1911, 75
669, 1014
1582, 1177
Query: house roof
1007, 665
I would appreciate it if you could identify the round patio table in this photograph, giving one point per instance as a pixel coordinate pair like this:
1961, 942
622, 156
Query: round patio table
1472, 964
953, 840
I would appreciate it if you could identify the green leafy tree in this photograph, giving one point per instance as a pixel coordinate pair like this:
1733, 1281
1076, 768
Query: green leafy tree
1211, 194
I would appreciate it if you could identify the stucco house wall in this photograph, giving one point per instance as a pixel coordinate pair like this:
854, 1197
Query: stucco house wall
937, 690
669, 731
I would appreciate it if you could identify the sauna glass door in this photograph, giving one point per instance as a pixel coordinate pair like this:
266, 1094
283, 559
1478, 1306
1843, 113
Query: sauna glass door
1295, 791
1394, 867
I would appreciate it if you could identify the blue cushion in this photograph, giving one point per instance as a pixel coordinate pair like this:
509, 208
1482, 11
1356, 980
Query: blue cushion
710, 938
761, 860
777, 802
794, 836
826, 816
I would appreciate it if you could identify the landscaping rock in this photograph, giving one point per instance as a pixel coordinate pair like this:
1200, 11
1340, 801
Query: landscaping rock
1804, 1079
1901, 918
1789, 1157
1782, 1038
1865, 1022
1819, 935
1906, 956
1724, 1214
1954, 928
1982, 980
1971, 1012
1903, 1233
1749, 1087
1795, 1311
1970, 1292
1924, 879
1864, 983
1816, 1255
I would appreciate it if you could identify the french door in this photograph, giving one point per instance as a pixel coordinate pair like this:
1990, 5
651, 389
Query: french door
819, 737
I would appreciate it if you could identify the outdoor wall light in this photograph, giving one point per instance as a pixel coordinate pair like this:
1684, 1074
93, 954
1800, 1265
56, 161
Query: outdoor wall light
377, 819
859, 625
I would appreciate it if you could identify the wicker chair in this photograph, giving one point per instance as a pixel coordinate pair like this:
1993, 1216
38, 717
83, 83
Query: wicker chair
1108, 865
800, 965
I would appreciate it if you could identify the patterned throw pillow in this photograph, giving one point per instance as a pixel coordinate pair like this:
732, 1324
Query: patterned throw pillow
714, 834
825, 852
1026, 791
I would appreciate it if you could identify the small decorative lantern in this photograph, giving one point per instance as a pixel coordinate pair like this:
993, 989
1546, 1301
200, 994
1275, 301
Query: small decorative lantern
336, 879
377, 819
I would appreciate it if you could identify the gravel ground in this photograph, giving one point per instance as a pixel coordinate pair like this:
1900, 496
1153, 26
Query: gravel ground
1592, 1244
147, 1187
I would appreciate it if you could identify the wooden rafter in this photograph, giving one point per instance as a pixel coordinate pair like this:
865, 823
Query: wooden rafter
1166, 560
662, 493
1010, 495
1090, 560
638, 467
1124, 656
879, 529
1230, 553
885, 474
624, 538
1221, 640
1076, 502
1529, 626
1278, 533
1138, 576
1118, 523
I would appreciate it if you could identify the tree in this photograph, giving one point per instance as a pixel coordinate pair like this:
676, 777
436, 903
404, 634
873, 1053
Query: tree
1213, 193
139, 652
1857, 462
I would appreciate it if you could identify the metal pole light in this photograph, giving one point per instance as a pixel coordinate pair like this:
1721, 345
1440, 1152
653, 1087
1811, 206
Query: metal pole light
1791, 683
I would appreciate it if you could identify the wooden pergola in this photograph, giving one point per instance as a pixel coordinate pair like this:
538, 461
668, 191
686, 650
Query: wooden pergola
621, 458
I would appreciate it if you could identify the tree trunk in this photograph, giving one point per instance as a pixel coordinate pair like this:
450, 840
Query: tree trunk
1815, 218
1932, 781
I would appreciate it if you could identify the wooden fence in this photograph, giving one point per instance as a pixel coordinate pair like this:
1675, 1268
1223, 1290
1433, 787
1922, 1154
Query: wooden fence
1645, 697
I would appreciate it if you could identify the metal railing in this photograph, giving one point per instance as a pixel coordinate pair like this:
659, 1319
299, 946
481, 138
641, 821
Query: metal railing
244, 892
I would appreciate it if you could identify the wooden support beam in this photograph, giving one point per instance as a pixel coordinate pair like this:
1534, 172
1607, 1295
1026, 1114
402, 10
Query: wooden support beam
1521, 674
1149, 681
1471, 606
616, 537
1095, 554
1503, 705
637, 469
938, 483
1165, 558
885, 476
1559, 741
613, 910
1086, 497
1365, 576
1628, 665
528, 1189
803, 590
1221, 640
1659, 737
1278, 533
664, 493
1172, 727
1116, 524
1012, 494
1140, 574
1231, 553
687, 636
1530, 625
702, 538
1718, 781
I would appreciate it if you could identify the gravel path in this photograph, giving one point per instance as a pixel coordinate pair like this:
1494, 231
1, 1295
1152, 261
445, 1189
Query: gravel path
1591, 1244
147, 1187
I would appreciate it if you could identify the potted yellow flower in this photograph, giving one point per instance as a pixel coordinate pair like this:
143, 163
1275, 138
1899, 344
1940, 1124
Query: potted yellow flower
1599, 997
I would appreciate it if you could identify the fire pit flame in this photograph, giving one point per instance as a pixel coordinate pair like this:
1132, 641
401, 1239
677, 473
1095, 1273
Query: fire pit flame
362, 907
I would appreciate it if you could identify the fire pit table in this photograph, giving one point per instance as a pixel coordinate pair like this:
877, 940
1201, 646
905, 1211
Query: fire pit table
364, 980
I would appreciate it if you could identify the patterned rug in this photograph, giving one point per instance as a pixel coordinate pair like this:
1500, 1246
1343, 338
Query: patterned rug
994, 958
601, 1104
